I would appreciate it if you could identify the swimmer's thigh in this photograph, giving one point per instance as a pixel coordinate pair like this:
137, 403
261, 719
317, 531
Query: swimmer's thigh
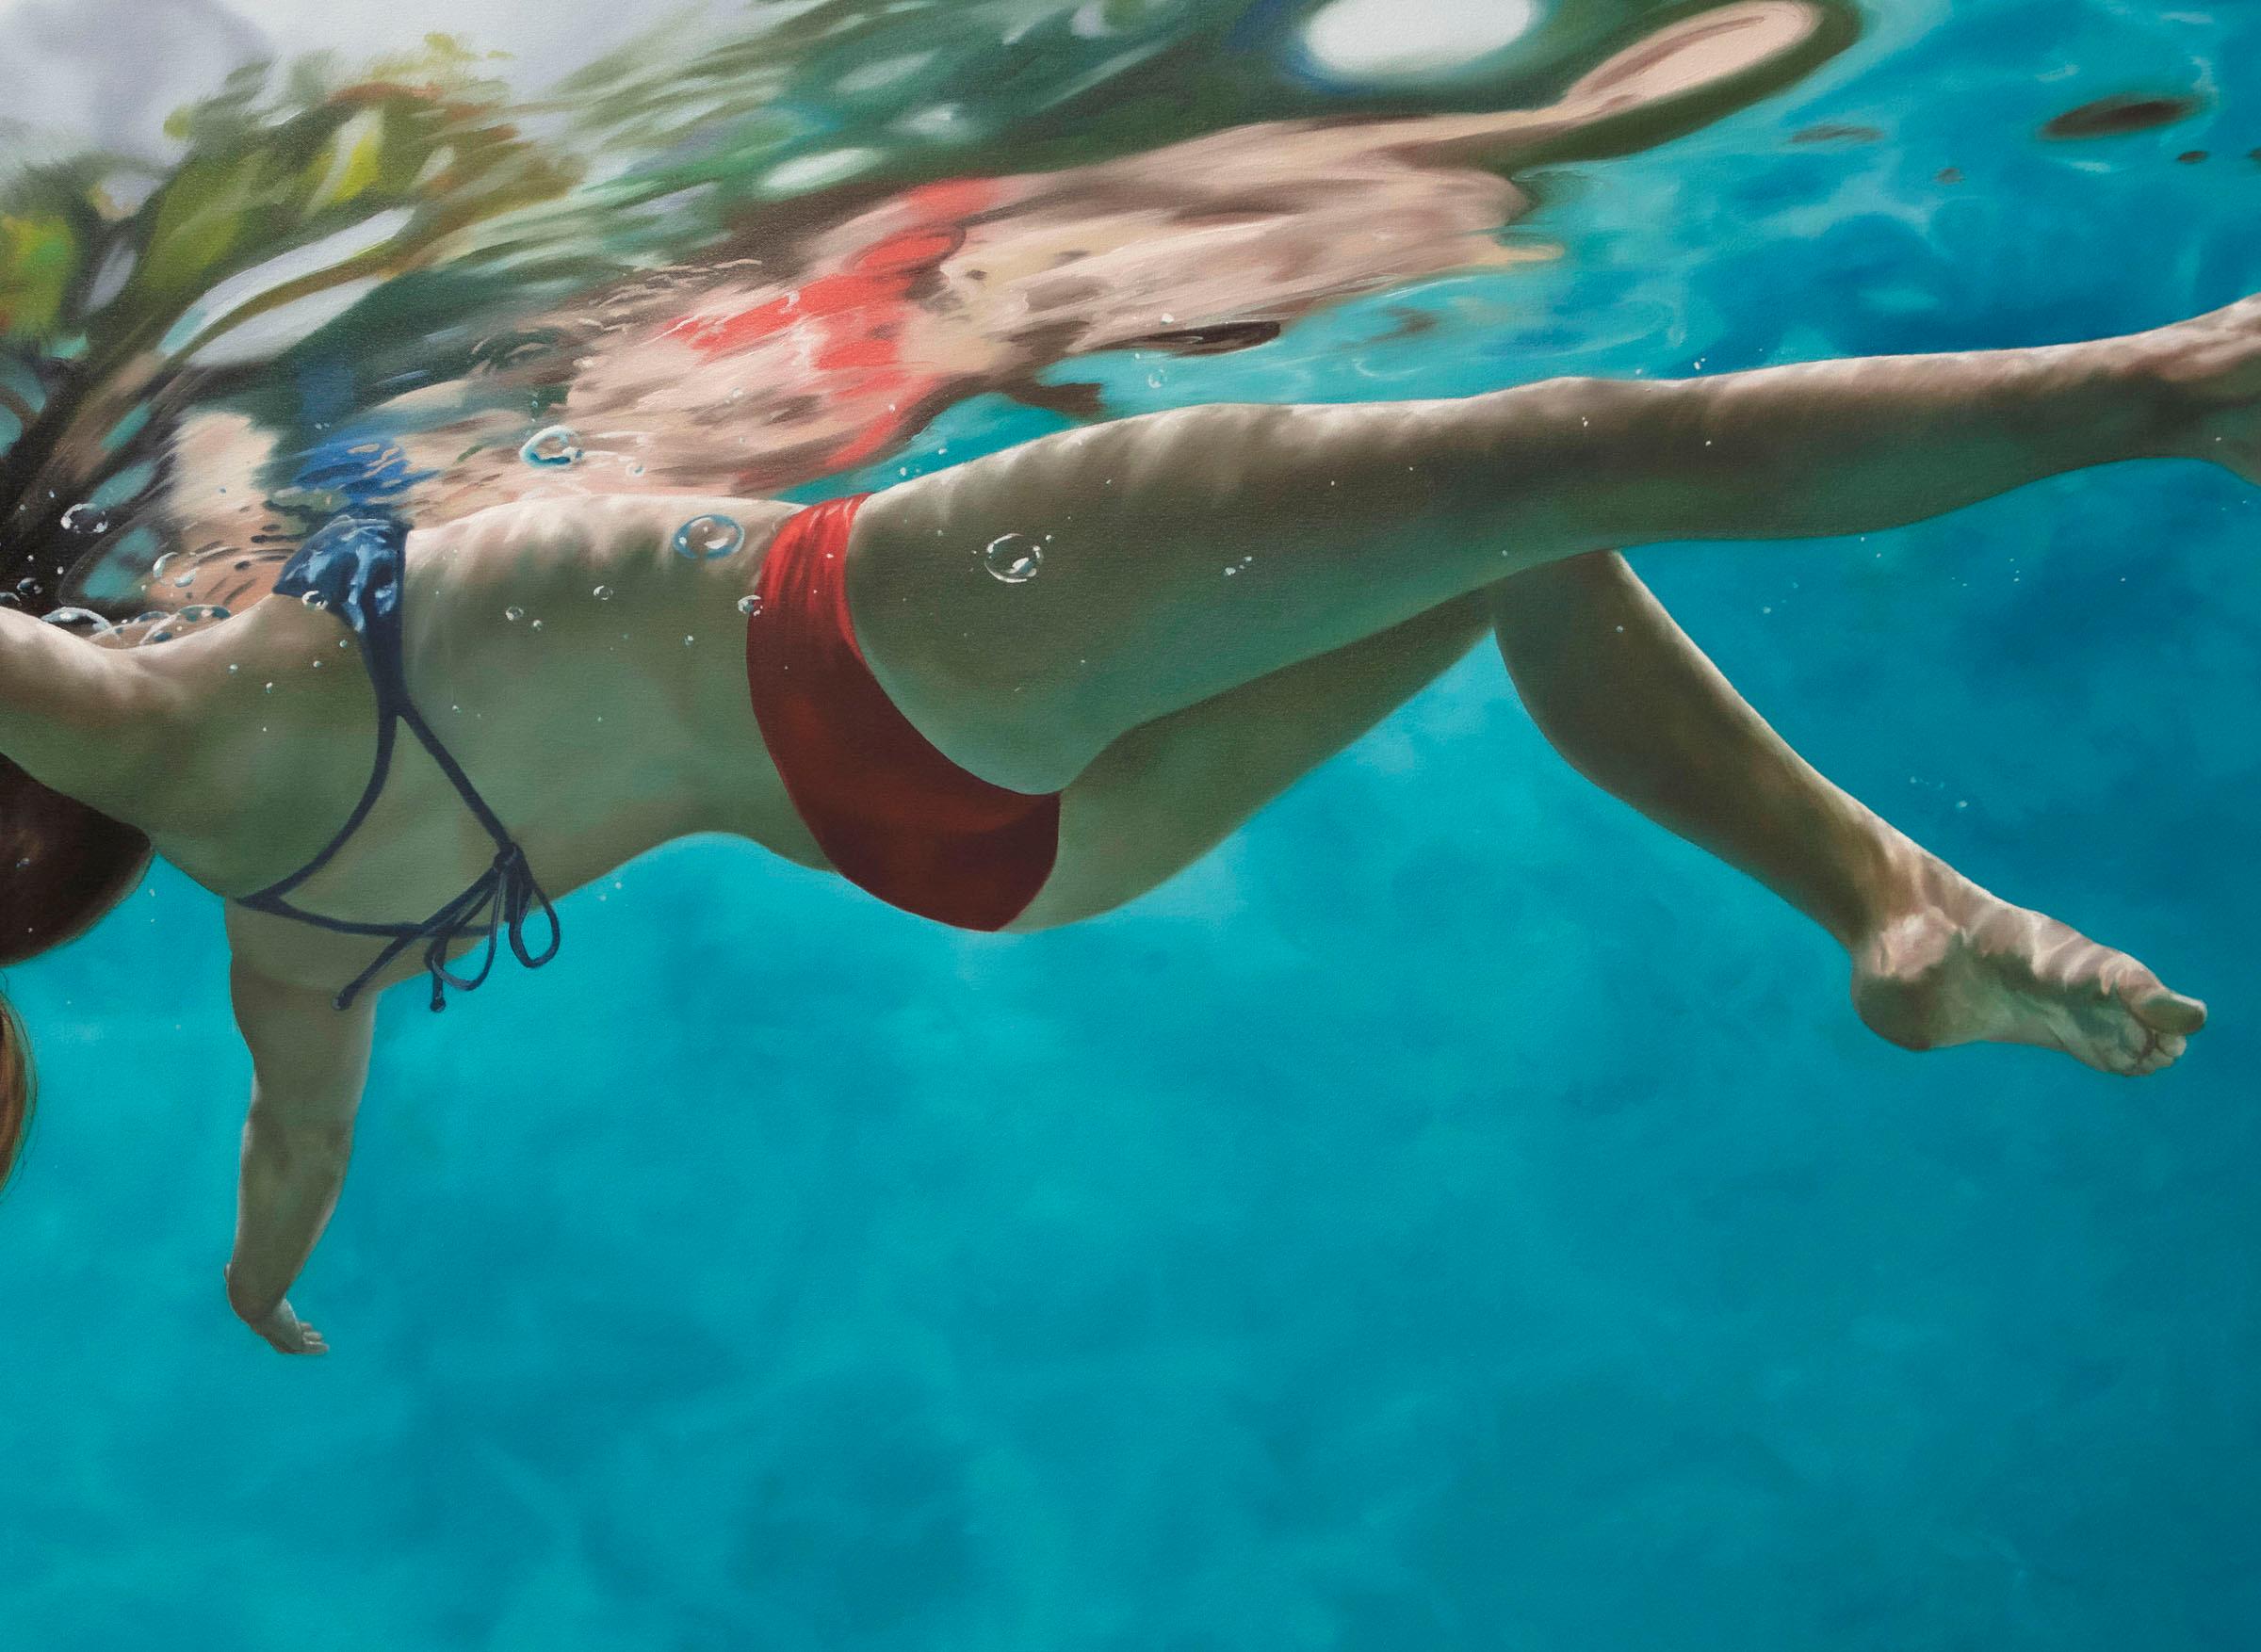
1161, 797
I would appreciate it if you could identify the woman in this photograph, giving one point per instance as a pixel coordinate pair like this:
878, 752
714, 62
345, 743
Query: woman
1025, 691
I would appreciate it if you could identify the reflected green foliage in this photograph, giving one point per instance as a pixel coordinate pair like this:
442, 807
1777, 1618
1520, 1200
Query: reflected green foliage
120, 316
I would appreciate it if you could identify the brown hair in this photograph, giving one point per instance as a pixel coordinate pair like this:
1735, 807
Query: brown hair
62, 866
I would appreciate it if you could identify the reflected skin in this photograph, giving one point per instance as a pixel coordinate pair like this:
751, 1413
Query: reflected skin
824, 345
1165, 701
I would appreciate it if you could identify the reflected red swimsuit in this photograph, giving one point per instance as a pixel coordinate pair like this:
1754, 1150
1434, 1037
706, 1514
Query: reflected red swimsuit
894, 815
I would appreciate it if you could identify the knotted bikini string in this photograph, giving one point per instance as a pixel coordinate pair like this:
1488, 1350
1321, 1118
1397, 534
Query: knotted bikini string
498, 905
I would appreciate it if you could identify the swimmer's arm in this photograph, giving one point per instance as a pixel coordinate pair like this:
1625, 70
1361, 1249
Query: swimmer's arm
308, 1063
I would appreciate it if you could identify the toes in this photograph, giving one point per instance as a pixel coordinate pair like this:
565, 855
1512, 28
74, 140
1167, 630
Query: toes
2159, 1056
2167, 1011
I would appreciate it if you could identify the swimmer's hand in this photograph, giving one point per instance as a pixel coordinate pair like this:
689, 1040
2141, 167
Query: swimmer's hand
284, 1331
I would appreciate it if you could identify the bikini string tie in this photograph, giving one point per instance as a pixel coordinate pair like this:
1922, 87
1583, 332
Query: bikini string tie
496, 906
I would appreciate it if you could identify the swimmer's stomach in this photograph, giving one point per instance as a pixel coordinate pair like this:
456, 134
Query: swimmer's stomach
588, 678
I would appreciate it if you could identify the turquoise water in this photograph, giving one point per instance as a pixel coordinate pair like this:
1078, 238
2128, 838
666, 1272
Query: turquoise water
1456, 1215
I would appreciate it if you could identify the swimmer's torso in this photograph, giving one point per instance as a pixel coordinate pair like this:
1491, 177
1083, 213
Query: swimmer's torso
595, 726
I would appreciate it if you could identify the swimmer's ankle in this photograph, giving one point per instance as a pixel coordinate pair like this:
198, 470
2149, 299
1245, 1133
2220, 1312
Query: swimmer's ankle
1906, 883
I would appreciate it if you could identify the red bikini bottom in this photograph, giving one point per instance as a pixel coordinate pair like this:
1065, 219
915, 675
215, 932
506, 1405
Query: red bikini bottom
895, 816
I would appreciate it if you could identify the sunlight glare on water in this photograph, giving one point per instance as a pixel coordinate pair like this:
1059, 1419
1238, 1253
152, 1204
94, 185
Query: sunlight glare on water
1356, 37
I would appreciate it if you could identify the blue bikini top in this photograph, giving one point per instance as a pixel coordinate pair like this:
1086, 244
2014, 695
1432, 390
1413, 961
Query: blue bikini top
352, 567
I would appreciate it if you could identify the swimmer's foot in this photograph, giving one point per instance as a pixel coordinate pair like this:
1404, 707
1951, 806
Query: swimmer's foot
1966, 966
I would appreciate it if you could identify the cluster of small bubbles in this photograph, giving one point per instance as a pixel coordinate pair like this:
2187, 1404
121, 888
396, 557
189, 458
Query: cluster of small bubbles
1232, 568
703, 537
749, 605
554, 446
72, 618
1013, 558
602, 593
514, 613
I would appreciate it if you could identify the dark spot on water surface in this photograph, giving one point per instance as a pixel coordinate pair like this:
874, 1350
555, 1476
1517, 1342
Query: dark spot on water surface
1835, 133
2190, 157
1209, 341
1410, 324
1948, 175
2113, 117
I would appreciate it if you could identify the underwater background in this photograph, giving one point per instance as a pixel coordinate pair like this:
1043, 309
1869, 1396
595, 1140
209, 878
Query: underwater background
1456, 1215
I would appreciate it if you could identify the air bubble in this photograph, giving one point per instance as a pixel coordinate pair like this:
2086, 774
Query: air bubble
749, 605
198, 613
71, 618
1013, 558
514, 613
703, 537
27, 586
312, 599
553, 446
602, 593
535, 626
